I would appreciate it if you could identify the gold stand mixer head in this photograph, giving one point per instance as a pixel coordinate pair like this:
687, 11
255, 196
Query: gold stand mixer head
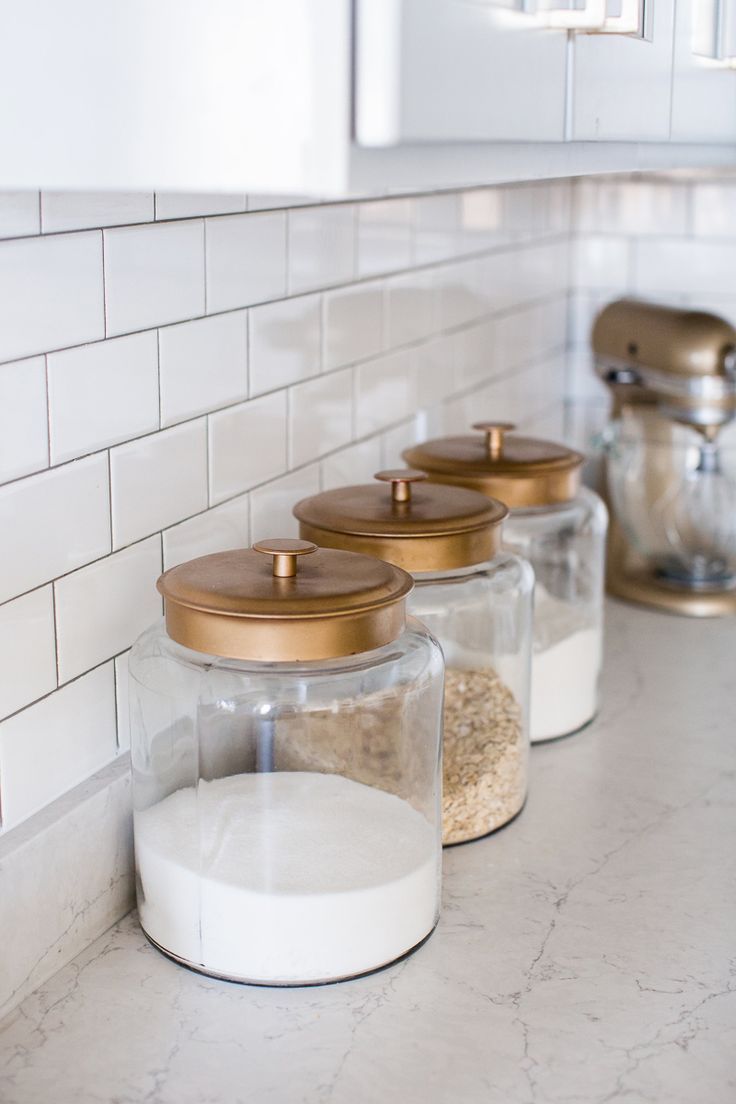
671, 479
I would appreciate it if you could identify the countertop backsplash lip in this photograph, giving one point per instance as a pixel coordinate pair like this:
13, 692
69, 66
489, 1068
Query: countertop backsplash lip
169, 374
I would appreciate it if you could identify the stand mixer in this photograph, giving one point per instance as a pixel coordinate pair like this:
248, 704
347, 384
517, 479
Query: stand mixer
670, 456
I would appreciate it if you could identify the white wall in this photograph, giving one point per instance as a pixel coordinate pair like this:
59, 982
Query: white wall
176, 371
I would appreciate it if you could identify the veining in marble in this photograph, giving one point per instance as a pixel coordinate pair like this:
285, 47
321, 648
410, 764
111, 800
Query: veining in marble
585, 954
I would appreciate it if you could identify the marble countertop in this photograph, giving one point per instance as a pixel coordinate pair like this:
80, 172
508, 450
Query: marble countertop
586, 954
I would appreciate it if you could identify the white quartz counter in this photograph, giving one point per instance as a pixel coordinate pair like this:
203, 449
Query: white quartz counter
585, 954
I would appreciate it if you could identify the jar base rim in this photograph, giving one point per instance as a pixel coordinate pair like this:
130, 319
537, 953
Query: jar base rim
198, 968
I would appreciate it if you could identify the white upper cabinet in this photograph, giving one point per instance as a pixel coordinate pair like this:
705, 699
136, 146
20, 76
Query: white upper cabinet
334, 97
457, 70
704, 85
623, 81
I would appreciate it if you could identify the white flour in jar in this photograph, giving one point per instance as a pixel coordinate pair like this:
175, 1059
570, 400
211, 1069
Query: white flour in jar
566, 663
286, 877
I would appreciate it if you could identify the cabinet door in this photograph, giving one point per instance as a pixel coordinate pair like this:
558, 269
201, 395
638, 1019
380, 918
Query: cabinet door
704, 85
457, 70
622, 82
200, 95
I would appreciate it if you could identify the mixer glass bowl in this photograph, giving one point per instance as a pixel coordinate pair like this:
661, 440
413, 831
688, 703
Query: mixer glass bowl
674, 492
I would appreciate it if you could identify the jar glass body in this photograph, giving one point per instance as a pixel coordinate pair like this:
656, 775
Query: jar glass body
287, 815
566, 547
482, 617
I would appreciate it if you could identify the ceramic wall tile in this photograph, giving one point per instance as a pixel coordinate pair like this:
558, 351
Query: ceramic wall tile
59, 520
246, 260
19, 214
203, 365
102, 609
270, 507
285, 343
215, 530
320, 416
154, 274
247, 445
321, 246
56, 743
102, 394
81, 210
385, 236
24, 431
353, 324
51, 293
27, 650
158, 480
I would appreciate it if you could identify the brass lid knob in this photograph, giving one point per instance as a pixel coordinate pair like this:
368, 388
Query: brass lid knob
285, 553
401, 480
495, 433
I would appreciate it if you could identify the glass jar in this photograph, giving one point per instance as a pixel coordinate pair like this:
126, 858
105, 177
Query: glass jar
560, 528
476, 600
285, 741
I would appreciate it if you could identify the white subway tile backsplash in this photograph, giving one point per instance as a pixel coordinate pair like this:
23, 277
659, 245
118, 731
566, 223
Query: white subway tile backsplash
356, 464
436, 223
482, 223
247, 445
386, 392
122, 701
412, 307
353, 324
102, 609
320, 416
246, 260
321, 246
19, 214
666, 267
82, 210
636, 207
475, 354
27, 650
271, 507
55, 522
216, 530
714, 210
154, 274
203, 365
601, 262
51, 293
435, 361
24, 445
467, 291
285, 343
101, 394
158, 480
177, 205
384, 236
59, 741
530, 334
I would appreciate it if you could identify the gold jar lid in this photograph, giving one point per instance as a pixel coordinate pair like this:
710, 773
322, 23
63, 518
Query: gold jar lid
284, 601
416, 525
520, 471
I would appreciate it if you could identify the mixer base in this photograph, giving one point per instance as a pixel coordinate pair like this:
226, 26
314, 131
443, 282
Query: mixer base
641, 586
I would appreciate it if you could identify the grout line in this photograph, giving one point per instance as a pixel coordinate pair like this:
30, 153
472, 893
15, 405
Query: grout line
518, 308
507, 247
